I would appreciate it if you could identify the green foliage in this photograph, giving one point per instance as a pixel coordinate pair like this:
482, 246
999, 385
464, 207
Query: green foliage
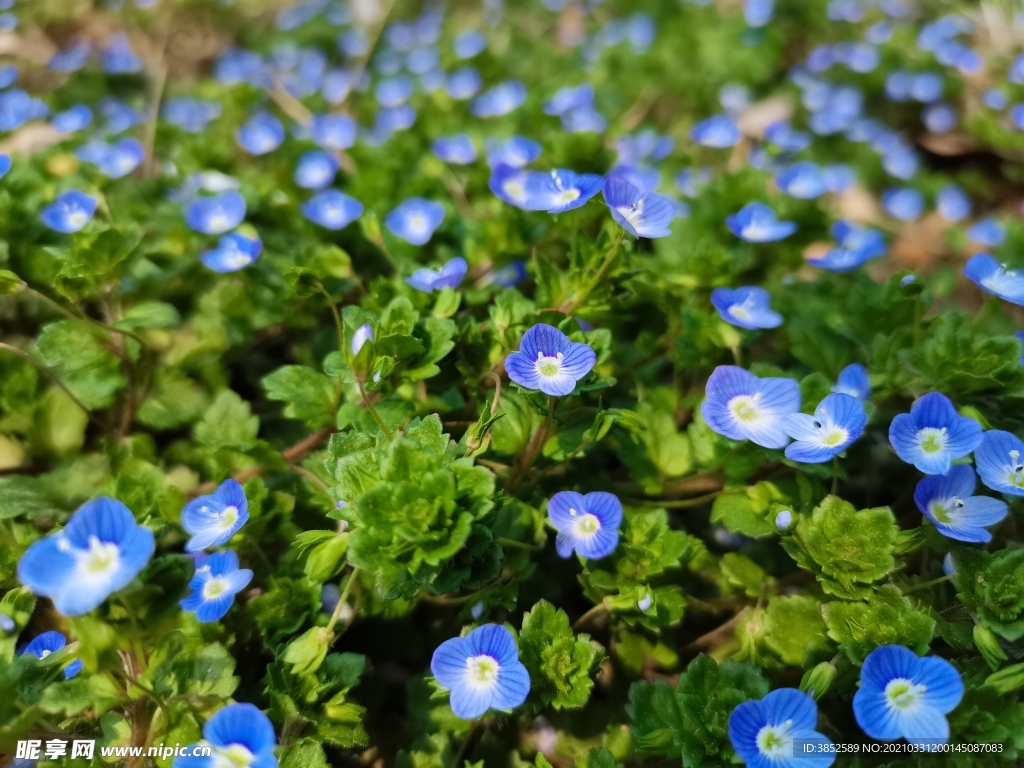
561, 664
991, 585
887, 618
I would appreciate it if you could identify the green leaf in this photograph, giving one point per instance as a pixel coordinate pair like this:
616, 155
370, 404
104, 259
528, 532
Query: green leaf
176, 400
181, 665
310, 395
560, 663
228, 423
149, 315
307, 652
748, 512
991, 584
83, 361
792, 628
887, 618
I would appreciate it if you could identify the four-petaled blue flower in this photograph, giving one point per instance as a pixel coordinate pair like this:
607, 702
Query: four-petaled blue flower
238, 735
216, 517
415, 220
98, 552
482, 670
44, 644
933, 434
642, 214
856, 245
948, 502
547, 360
719, 131
993, 277
741, 406
315, 170
763, 732
837, 422
802, 180
756, 223
234, 252
70, 212
587, 524
332, 209
1000, 460
448, 276
904, 695
562, 190
263, 133
748, 307
457, 149
853, 380
216, 215
216, 582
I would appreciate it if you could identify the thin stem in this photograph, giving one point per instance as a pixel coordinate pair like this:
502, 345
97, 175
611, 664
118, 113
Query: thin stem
342, 602
57, 307
926, 584
300, 470
373, 411
686, 503
337, 317
517, 544
598, 609
581, 296
835, 475
53, 377
536, 443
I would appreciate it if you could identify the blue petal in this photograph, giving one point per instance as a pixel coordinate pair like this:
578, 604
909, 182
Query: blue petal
559, 507
45, 568
448, 664
543, 339
105, 518
522, 370
746, 720
873, 714
468, 701
579, 360
241, 724
923, 725
944, 688
996, 461
512, 687
790, 704
493, 640
605, 506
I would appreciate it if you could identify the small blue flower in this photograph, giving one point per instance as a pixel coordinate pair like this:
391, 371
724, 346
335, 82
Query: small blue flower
332, 209
783, 136
853, 380
118, 58
690, 181
262, 133
563, 190
70, 59
993, 277
363, 334
569, 98
1000, 460
216, 215
995, 99
233, 252
933, 434
508, 276
639, 213
70, 212
468, 44
74, 119
44, 644
500, 100
238, 735
587, 525
642, 177
393, 91
547, 360
748, 307
514, 152
837, 423
415, 220
948, 501
856, 245
838, 177
456, 150
482, 670
115, 160
756, 223
803, 181
783, 520
939, 117
216, 517
7, 624
216, 582
98, 552
741, 406
333, 131
763, 732
988, 233
952, 203
719, 131
757, 13
513, 185
430, 280
463, 83
191, 115
904, 695
903, 203
315, 170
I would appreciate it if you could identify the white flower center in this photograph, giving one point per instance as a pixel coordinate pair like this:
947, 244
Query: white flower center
227, 517
549, 366
215, 587
774, 741
44, 654
902, 693
584, 525
482, 671
514, 188
932, 440
567, 196
632, 213
218, 223
101, 559
746, 408
78, 219
418, 224
1015, 475
231, 756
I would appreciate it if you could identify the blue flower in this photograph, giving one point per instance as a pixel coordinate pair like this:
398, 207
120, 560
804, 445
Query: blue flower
44, 644
482, 670
500, 100
837, 422
587, 525
987, 233
191, 115
763, 732
757, 13
643, 178
315, 170
756, 223
741, 406
415, 220
853, 380
508, 276
239, 735
333, 131
74, 119
569, 98
216, 215
952, 203
719, 131
393, 91
457, 149
933, 434
995, 99
463, 83
747, 307
332, 209
7, 624
948, 501
904, 695
98, 552
118, 58
993, 277
562, 190
70, 59
233, 252
70, 212
115, 160
513, 185
856, 245
802, 180
690, 181
5, 165
642, 214
362, 334
449, 276
468, 44
216, 582
263, 133
1000, 460
514, 152
838, 177
782, 135
216, 517
939, 117
547, 360
903, 203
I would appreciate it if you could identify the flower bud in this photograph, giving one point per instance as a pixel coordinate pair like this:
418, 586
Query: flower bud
818, 680
783, 520
988, 644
